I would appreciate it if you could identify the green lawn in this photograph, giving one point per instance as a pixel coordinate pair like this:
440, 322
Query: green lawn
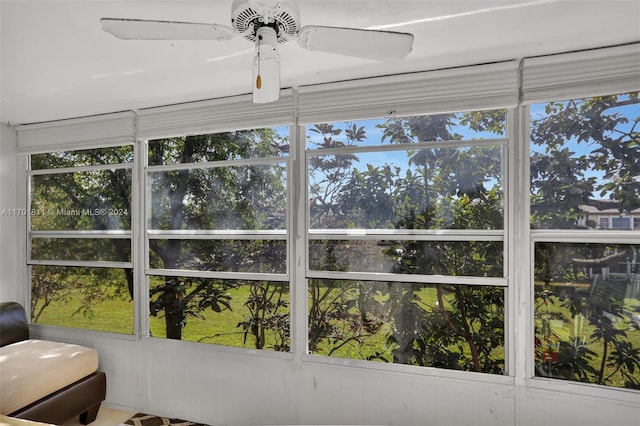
218, 328
116, 315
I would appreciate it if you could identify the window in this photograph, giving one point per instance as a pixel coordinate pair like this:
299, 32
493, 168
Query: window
80, 253
584, 157
604, 223
406, 259
620, 223
407, 228
217, 238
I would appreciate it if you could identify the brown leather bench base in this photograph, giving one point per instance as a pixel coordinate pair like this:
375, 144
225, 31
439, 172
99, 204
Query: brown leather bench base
69, 402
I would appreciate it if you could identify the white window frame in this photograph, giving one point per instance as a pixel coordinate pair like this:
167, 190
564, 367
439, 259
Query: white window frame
83, 234
544, 79
562, 76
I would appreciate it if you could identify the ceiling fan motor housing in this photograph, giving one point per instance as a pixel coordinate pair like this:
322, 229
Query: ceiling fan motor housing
282, 16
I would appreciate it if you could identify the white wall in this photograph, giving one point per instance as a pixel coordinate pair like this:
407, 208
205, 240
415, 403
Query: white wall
561, 407
347, 395
10, 244
227, 386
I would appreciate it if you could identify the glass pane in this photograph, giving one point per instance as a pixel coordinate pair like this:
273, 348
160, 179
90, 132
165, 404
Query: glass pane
440, 188
584, 163
92, 249
428, 128
97, 200
247, 314
431, 325
587, 313
236, 145
88, 157
89, 298
461, 258
261, 256
246, 197
620, 223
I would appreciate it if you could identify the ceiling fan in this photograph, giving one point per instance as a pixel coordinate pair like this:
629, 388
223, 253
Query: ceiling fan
267, 23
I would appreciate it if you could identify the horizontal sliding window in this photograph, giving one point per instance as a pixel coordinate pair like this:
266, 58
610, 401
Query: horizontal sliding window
420, 196
587, 312
83, 297
224, 197
236, 145
457, 258
431, 325
81, 200
437, 127
407, 188
80, 247
217, 238
262, 256
247, 314
80, 158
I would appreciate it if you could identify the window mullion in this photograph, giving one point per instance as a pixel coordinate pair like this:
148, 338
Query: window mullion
138, 241
298, 238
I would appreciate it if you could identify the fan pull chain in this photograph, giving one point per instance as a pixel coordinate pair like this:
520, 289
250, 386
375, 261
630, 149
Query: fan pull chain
259, 79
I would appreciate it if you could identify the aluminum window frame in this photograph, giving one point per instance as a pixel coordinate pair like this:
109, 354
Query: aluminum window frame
504, 235
129, 234
598, 235
147, 234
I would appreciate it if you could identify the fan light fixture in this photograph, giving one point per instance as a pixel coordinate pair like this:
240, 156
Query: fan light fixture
266, 67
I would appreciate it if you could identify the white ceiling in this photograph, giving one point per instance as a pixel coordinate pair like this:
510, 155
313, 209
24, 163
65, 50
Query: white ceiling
57, 62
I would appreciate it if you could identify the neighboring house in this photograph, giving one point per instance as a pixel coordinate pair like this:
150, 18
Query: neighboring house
605, 214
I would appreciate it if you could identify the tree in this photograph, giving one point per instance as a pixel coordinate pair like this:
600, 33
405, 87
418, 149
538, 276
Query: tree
80, 201
248, 197
446, 188
336, 318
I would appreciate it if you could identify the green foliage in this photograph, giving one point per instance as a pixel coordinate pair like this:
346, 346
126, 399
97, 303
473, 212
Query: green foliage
81, 297
329, 173
178, 299
465, 332
596, 346
267, 313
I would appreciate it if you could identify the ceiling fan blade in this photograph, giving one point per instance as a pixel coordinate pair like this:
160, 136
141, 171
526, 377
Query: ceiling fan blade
370, 44
140, 29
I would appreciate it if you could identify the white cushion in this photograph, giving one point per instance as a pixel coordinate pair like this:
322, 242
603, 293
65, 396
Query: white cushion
33, 369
